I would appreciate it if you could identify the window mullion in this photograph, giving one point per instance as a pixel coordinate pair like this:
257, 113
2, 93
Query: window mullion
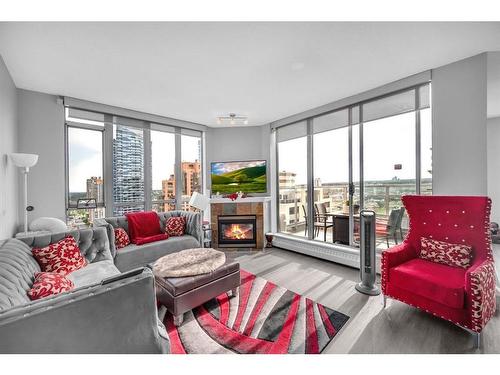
147, 167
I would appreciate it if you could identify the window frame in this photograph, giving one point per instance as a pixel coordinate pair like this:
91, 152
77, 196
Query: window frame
107, 152
351, 107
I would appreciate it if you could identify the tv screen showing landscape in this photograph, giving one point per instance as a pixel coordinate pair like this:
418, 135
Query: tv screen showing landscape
234, 176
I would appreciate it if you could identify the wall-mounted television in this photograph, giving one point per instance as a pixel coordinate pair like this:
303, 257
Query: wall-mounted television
233, 176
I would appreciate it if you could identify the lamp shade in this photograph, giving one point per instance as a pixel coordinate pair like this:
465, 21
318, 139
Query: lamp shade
24, 160
199, 201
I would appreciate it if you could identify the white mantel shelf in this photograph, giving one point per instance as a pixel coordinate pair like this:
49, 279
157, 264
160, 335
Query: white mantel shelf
241, 200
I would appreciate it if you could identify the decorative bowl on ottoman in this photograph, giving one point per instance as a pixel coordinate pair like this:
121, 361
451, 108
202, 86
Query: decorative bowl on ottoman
205, 274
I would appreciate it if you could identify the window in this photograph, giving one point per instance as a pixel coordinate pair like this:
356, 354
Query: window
128, 169
163, 169
292, 167
85, 173
331, 167
364, 156
128, 165
190, 166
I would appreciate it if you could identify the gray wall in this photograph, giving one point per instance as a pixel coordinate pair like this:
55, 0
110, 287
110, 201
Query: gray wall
8, 144
459, 127
238, 143
41, 131
494, 166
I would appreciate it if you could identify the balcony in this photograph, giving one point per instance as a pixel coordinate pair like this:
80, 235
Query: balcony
381, 197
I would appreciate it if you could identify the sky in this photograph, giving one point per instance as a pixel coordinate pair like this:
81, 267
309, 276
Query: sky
220, 168
386, 142
85, 156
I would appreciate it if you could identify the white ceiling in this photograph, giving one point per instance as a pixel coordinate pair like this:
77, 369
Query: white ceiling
197, 71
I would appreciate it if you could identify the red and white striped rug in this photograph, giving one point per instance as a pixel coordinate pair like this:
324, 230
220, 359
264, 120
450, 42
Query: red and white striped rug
264, 319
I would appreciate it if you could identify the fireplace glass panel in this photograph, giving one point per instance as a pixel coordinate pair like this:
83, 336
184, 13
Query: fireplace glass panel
237, 231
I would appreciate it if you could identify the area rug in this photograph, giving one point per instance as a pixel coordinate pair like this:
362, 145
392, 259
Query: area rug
263, 319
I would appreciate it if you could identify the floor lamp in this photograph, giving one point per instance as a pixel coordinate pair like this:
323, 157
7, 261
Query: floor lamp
25, 161
201, 202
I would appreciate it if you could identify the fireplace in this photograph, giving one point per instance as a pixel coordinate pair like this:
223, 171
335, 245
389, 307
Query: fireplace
237, 231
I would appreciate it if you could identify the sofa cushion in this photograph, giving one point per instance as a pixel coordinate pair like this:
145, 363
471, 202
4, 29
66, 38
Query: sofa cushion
155, 238
93, 273
17, 269
49, 284
121, 238
437, 282
175, 226
62, 257
455, 255
133, 256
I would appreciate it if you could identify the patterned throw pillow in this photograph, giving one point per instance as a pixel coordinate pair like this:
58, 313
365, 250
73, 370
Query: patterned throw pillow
175, 226
48, 284
454, 255
121, 238
62, 257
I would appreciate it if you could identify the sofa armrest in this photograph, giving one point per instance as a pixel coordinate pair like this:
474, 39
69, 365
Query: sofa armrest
480, 286
111, 234
119, 317
393, 257
193, 225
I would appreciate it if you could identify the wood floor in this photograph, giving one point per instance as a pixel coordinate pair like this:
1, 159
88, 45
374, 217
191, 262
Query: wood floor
398, 328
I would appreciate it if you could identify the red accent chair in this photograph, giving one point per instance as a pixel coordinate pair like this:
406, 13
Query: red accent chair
465, 297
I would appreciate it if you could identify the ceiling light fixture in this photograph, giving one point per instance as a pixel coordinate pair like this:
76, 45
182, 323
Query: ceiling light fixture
232, 119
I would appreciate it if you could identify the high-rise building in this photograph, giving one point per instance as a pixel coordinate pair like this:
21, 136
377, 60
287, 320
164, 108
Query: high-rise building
95, 189
128, 169
191, 177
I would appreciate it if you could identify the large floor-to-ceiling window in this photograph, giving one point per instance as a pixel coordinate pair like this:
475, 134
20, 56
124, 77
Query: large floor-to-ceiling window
117, 165
292, 177
362, 156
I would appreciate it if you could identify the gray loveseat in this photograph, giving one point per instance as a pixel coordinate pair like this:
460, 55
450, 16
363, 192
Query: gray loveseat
114, 316
133, 256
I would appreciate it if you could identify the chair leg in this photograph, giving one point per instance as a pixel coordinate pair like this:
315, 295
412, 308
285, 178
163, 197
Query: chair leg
387, 240
324, 232
395, 238
477, 340
233, 292
385, 301
178, 319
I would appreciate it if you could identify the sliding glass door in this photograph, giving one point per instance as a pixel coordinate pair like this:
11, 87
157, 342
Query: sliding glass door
292, 180
331, 177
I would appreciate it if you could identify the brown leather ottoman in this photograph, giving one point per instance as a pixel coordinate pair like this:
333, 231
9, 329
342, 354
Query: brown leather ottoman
181, 294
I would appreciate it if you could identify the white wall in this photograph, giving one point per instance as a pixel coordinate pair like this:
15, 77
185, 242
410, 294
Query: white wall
8, 145
494, 166
41, 131
459, 127
238, 143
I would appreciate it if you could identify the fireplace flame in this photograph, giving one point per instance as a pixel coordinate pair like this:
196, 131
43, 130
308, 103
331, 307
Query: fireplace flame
237, 232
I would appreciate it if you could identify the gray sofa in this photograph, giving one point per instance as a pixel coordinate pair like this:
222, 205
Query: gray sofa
118, 315
133, 256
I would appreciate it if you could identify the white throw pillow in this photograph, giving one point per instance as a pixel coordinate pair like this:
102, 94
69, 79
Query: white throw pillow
51, 224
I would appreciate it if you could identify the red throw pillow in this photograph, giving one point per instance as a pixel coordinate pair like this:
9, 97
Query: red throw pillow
175, 226
121, 238
61, 257
143, 224
454, 255
48, 284
156, 237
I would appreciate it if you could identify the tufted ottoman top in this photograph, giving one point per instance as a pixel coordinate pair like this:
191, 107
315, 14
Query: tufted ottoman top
190, 262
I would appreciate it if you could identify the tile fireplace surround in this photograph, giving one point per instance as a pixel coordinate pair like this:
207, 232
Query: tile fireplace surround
242, 207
